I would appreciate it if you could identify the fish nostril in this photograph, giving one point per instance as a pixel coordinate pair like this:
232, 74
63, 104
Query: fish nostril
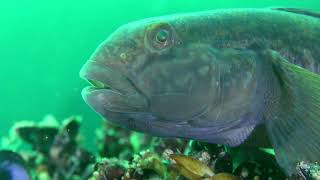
123, 56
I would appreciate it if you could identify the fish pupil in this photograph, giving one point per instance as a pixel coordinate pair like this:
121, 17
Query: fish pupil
162, 36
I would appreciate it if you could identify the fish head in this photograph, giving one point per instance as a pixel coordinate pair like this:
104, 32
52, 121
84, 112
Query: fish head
152, 74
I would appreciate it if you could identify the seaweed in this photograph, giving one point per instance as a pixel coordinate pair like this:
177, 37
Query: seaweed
52, 151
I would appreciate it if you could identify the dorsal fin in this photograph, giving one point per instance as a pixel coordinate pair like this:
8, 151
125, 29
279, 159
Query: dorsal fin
299, 11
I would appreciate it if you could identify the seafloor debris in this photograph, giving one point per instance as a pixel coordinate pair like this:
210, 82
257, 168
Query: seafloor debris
190, 167
12, 166
55, 153
109, 169
309, 170
161, 158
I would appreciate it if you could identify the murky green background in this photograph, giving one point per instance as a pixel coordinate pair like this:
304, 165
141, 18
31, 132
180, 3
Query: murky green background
43, 44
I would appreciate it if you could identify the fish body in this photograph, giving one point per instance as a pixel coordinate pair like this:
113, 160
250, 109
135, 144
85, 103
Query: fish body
215, 76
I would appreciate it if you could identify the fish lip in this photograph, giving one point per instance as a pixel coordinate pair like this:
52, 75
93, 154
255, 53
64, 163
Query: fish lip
96, 80
86, 91
103, 77
89, 89
102, 100
94, 85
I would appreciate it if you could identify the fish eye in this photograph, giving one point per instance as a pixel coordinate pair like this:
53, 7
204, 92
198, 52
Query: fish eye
159, 36
162, 36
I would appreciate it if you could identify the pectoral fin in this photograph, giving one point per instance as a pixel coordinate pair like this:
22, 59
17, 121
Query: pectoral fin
293, 119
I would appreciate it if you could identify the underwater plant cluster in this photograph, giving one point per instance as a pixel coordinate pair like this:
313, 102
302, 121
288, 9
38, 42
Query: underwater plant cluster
54, 151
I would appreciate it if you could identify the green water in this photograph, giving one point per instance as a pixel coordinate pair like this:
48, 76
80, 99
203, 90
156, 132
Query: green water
43, 45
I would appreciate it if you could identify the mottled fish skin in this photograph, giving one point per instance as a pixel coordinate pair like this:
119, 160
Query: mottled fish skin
200, 76
294, 36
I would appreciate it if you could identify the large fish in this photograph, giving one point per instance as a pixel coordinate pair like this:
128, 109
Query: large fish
215, 76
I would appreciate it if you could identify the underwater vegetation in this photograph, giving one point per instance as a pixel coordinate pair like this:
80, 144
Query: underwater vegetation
49, 150
53, 151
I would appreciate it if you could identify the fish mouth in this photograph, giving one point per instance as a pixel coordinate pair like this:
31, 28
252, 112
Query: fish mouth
110, 90
96, 85
100, 76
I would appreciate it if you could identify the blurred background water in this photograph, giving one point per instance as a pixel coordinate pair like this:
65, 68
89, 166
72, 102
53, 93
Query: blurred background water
43, 45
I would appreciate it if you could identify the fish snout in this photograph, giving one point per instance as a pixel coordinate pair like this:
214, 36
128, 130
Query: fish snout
110, 90
101, 76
